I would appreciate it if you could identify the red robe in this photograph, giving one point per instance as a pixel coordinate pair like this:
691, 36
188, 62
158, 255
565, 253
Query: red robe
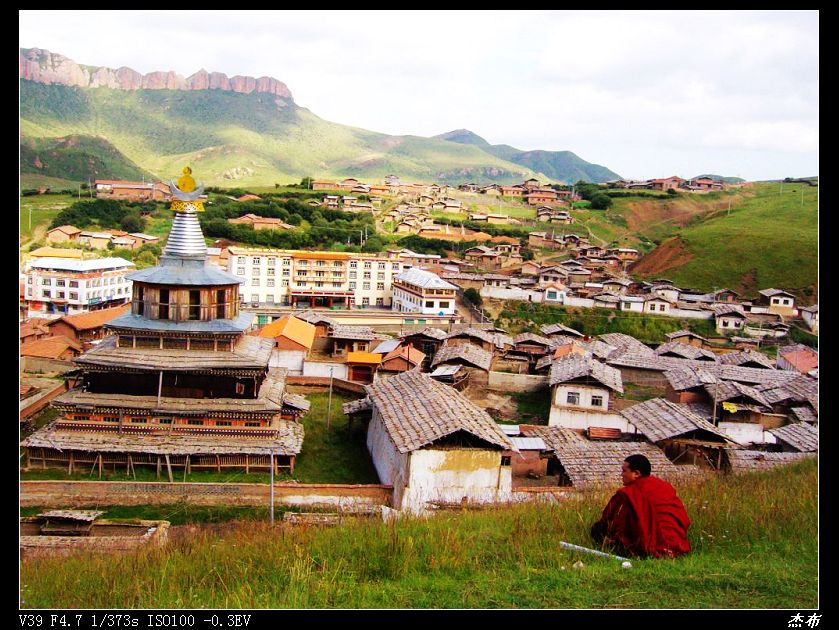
646, 518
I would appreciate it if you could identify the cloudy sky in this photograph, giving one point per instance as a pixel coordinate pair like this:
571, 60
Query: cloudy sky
647, 94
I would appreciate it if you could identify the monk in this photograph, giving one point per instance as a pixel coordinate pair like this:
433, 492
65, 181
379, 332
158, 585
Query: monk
645, 518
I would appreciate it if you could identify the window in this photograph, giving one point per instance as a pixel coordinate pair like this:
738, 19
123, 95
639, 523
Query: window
46, 282
444, 305
366, 286
785, 301
395, 266
194, 304
110, 419
240, 271
352, 286
47, 294
381, 265
318, 284
380, 286
353, 264
75, 296
220, 299
77, 417
597, 401
285, 283
139, 420
59, 283
337, 263
60, 294
353, 274
254, 297
367, 275
380, 301
251, 424
255, 271
725, 323
320, 274
29, 280
365, 301
573, 398
256, 260
303, 263
301, 284
223, 423
301, 272
255, 282
321, 263
368, 264
270, 282
286, 273
336, 274
195, 422
164, 421
429, 304
74, 284
272, 271
380, 275
336, 285
286, 262
272, 261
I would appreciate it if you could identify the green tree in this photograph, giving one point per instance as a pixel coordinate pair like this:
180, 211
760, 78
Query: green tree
306, 182
473, 296
601, 201
672, 191
131, 223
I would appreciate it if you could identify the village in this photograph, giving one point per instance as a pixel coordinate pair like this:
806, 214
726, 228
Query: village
209, 360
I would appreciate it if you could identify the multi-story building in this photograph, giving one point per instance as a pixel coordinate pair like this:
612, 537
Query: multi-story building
67, 286
315, 279
418, 291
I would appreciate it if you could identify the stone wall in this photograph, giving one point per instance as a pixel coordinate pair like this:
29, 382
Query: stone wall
84, 493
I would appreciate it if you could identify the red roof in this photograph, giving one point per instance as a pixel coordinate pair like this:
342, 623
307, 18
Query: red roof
49, 348
94, 319
801, 358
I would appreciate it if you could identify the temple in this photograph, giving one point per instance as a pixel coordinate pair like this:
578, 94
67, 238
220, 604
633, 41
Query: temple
178, 383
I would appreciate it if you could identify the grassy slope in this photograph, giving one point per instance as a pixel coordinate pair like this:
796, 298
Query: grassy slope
44, 209
160, 130
754, 542
769, 234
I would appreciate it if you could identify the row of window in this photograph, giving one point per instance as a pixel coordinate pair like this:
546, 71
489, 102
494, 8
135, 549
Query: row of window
76, 284
257, 260
573, 398
167, 421
73, 295
270, 299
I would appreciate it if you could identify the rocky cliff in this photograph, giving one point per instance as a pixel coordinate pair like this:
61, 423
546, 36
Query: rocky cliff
43, 66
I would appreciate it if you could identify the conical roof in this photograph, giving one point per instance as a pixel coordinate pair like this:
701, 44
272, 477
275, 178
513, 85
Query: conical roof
186, 238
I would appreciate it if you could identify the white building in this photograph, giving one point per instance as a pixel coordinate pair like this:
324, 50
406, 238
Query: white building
433, 444
314, 279
66, 286
580, 391
418, 291
810, 315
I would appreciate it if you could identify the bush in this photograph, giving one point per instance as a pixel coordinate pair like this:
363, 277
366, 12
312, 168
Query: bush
672, 192
601, 201
473, 296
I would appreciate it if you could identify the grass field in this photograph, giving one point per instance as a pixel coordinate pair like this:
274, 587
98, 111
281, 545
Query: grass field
754, 540
42, 209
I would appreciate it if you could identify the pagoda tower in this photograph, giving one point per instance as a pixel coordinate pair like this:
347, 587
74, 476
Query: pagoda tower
178, 384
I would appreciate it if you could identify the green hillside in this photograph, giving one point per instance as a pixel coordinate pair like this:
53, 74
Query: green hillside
234, 139
767, 240
76, 158
561, 166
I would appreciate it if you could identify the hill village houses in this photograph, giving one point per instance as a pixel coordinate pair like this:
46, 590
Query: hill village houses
395, 328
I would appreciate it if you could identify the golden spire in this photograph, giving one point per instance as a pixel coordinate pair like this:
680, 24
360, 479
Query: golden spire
185, 182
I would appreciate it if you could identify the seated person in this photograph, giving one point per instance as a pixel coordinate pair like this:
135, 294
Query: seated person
645, 517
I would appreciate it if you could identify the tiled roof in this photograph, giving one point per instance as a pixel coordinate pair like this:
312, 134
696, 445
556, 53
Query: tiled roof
49, 347
139, 324
467, 353
315, 318
590, 463
290, 327
343, 331
802, 357
774, 292
686, 351
728, 390
531, 338
417, 411
721, 310
747, 461
572, 366
355, 406
800, 436
681, 379
746, 356
409, 353
552, 436
288, 441
433, 333
476, 333
805, 414
625, 343
659, 419
249, 353
297, 401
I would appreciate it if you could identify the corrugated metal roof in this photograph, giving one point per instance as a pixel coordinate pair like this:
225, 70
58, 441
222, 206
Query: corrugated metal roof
72, 264
446, 370
424, 279
510, 429
184, 272
528, 443
387, 346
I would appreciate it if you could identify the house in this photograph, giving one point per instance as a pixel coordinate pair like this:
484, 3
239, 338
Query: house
684, 351
810, 315
428, 341
512, 191
144, 239
618, 286
539, 197
293, 340
131, 191
63, 234
668, 183
532, 345
95, 240
555, 292
483, 257
746, 358
483, 339
400, 359
58, 347
34, 329
742, 460
531, 184
346, 339
418, 291
530, 268
799, 358
778, 301
657, 304
361, 366
541, 239
683, 435
86, 328
687, 337
686, 385
475, 361
798, 437
432, 444
580, 393
729, 318
634, 303
497, 219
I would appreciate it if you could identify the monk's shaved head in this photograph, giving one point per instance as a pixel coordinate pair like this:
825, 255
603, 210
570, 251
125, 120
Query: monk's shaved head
640, 464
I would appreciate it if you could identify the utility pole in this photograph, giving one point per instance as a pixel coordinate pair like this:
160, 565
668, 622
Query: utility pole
802, 196
271, 493
729, 207
329, 404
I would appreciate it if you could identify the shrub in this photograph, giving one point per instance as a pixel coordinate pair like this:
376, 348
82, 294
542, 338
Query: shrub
601, 201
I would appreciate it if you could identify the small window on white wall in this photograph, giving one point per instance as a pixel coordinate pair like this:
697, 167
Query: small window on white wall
573, 398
